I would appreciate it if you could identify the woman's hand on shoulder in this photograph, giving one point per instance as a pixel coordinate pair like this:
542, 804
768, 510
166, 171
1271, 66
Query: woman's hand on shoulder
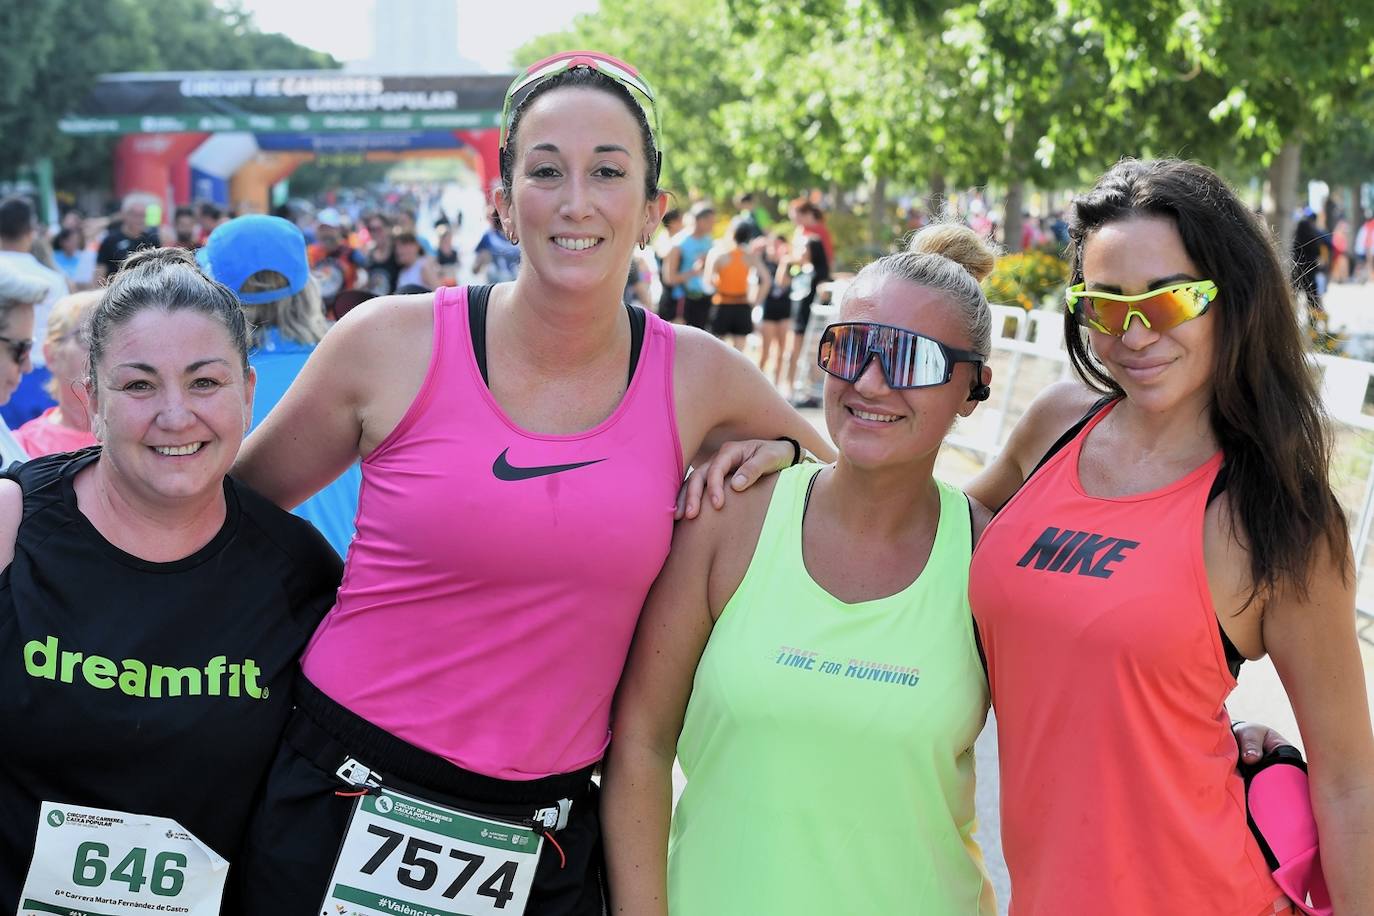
745, 463
11, 514
1056, 408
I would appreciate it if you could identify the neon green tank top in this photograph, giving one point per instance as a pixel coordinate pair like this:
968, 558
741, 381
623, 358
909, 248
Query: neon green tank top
828, 747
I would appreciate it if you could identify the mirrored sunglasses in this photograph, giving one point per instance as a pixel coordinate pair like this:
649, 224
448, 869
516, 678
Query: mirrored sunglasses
907, 359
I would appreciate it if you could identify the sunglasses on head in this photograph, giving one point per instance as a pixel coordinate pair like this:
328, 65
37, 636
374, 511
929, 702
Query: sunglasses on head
907, 359
1158, 309
604, 64
19, 349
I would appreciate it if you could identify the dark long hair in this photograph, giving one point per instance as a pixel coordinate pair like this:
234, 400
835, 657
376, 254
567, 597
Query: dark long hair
1265, 409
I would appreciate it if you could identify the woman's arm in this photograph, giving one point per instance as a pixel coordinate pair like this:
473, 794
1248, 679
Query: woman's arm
760, 271
710, 277
672, 268
11, 514
783, 273
351, 392
721, 396
637, 787
744, 462
1316, 652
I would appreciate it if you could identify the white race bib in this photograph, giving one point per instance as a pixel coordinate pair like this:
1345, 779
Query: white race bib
95, 861
407, 855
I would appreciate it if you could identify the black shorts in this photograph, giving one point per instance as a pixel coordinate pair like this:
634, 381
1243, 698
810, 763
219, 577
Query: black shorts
299, 825
732, 319
696, 311
801, 314
669, 305
777, 309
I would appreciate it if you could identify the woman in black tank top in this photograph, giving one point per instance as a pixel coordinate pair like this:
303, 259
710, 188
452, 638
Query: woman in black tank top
151, 614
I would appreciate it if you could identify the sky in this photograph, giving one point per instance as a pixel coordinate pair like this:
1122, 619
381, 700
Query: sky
488, 30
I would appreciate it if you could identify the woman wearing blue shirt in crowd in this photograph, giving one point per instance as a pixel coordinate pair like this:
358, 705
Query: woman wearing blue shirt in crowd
263, 260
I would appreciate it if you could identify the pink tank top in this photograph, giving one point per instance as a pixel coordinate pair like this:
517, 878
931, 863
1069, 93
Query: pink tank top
496, 577
1108, 677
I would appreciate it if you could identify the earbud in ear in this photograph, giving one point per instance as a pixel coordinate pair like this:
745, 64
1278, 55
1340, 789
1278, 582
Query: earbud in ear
979, 393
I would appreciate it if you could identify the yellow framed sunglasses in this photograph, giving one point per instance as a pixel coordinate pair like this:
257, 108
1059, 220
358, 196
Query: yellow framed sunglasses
1158, 309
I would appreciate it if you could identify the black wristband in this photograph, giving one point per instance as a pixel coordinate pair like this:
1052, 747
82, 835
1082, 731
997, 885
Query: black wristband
796, 449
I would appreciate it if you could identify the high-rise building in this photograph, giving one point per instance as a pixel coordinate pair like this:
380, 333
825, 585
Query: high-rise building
415, 37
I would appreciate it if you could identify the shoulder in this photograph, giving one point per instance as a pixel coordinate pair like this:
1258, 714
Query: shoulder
46, 470
1054, 410
306, 561
703, 355
386, 317
723, 541
28, 492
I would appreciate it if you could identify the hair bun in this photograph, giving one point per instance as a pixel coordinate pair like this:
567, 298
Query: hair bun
959, 244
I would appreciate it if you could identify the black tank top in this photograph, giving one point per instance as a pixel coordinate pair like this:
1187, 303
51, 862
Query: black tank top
154, 688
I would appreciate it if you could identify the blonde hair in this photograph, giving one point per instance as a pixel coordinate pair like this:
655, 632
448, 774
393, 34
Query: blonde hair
68, 318
299, 317
70, 313
959, 244
949, 258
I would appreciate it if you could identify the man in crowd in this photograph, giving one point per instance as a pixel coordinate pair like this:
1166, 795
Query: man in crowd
185, 229
335, 264
686, 265
125, 236
17, 228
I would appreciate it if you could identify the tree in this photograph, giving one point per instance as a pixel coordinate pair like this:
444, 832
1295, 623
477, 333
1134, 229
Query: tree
1282, 69
685, 48
59, 47
54, 51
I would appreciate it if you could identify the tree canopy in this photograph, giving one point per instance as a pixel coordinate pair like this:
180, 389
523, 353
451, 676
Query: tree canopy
777, 95
57, 49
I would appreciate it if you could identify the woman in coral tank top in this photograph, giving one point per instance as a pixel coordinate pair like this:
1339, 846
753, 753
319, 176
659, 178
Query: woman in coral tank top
1188, 524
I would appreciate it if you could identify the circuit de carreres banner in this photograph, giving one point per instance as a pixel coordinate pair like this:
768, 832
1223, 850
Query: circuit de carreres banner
288, 101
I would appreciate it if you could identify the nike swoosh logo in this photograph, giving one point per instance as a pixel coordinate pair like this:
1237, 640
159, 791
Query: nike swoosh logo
504, 470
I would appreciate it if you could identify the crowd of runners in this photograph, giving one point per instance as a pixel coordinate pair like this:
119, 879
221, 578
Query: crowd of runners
457, 678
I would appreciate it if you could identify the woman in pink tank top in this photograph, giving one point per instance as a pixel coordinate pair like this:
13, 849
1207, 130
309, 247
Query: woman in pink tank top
1190, 521
522, 447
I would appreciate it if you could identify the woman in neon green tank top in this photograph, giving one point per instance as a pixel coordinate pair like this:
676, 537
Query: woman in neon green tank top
808, 652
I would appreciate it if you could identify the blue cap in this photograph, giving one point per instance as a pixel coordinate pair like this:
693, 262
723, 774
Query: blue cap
243, 246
